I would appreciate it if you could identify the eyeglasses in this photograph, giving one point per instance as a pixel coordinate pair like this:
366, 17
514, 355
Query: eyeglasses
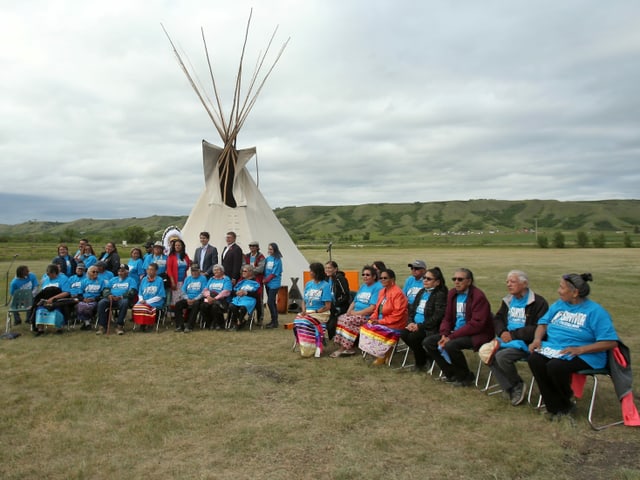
384, 278
459, 279
431, 279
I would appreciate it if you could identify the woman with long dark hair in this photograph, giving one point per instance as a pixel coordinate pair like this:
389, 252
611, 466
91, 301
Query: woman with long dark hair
272, 281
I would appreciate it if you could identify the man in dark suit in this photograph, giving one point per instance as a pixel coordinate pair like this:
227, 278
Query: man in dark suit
232, 258
206, 256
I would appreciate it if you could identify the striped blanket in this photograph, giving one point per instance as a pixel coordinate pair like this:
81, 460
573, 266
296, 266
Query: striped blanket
309, 334
377, 339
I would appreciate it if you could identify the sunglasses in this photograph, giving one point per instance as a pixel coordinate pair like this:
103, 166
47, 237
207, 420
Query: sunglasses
458, 279
428, 278
384, 278
366, 274
416, 268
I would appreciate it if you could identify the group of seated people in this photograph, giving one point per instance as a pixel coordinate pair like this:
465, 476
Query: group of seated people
149, 283
438, 324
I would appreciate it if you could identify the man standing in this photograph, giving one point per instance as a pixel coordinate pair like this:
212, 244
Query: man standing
232, 258
256, 259
515, 325
413, 284
206, 256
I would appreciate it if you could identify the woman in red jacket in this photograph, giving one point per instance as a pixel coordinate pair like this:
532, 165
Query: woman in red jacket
178, 263
380, 334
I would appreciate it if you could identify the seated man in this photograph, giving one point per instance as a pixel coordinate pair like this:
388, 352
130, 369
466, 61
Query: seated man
413, 284
119, 294
515, 325
467, 324
189, 306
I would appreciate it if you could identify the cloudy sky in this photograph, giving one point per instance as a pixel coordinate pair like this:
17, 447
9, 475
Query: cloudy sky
373, 101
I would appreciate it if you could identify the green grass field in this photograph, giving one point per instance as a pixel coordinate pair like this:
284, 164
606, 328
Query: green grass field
243, 405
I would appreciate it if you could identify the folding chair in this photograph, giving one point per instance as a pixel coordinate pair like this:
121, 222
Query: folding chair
592, 403
21, 301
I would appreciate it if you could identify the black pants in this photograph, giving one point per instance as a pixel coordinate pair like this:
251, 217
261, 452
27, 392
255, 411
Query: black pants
414, 342
458, 368
237, 315
213, 313
184, 311
553, 376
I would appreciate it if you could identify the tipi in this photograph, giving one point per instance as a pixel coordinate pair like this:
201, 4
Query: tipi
231, 200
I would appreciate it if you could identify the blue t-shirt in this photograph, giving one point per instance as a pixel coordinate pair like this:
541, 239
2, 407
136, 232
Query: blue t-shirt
150, 289
61, 281
105, 276
161, 261
75, 285
411, 288
218, 285
316, 294
136, 269
91, 288
29, 283
246, 301
193, 287
273, 266
516, 317
88, 260
576, 325
461, 310
367, 296
182, 268
419, 316
118, 287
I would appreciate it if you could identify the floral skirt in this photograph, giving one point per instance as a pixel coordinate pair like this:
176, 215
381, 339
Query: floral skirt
348, 330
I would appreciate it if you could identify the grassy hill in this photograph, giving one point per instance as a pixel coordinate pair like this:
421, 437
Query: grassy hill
395, 223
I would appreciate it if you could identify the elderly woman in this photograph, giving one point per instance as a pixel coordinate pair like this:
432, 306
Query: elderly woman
425, 315
467, 324
151, 296
244, 300
380, 334
90, 291
573, 335
357, 314
309, 324
215, 301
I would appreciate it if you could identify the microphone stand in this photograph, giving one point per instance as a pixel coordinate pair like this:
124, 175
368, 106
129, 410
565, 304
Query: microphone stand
6, 289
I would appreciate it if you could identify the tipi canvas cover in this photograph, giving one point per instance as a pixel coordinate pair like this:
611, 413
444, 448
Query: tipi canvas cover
251, 219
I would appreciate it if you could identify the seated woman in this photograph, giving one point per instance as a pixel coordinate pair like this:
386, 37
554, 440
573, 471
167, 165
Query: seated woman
151, 296
358, 313
340, 295
53, 295
66, 262
88, 256
573, 335
24, 280
136, 265
90, 292
244, 301
381, 332
425, 315
111, 257
215, 302
309, 324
